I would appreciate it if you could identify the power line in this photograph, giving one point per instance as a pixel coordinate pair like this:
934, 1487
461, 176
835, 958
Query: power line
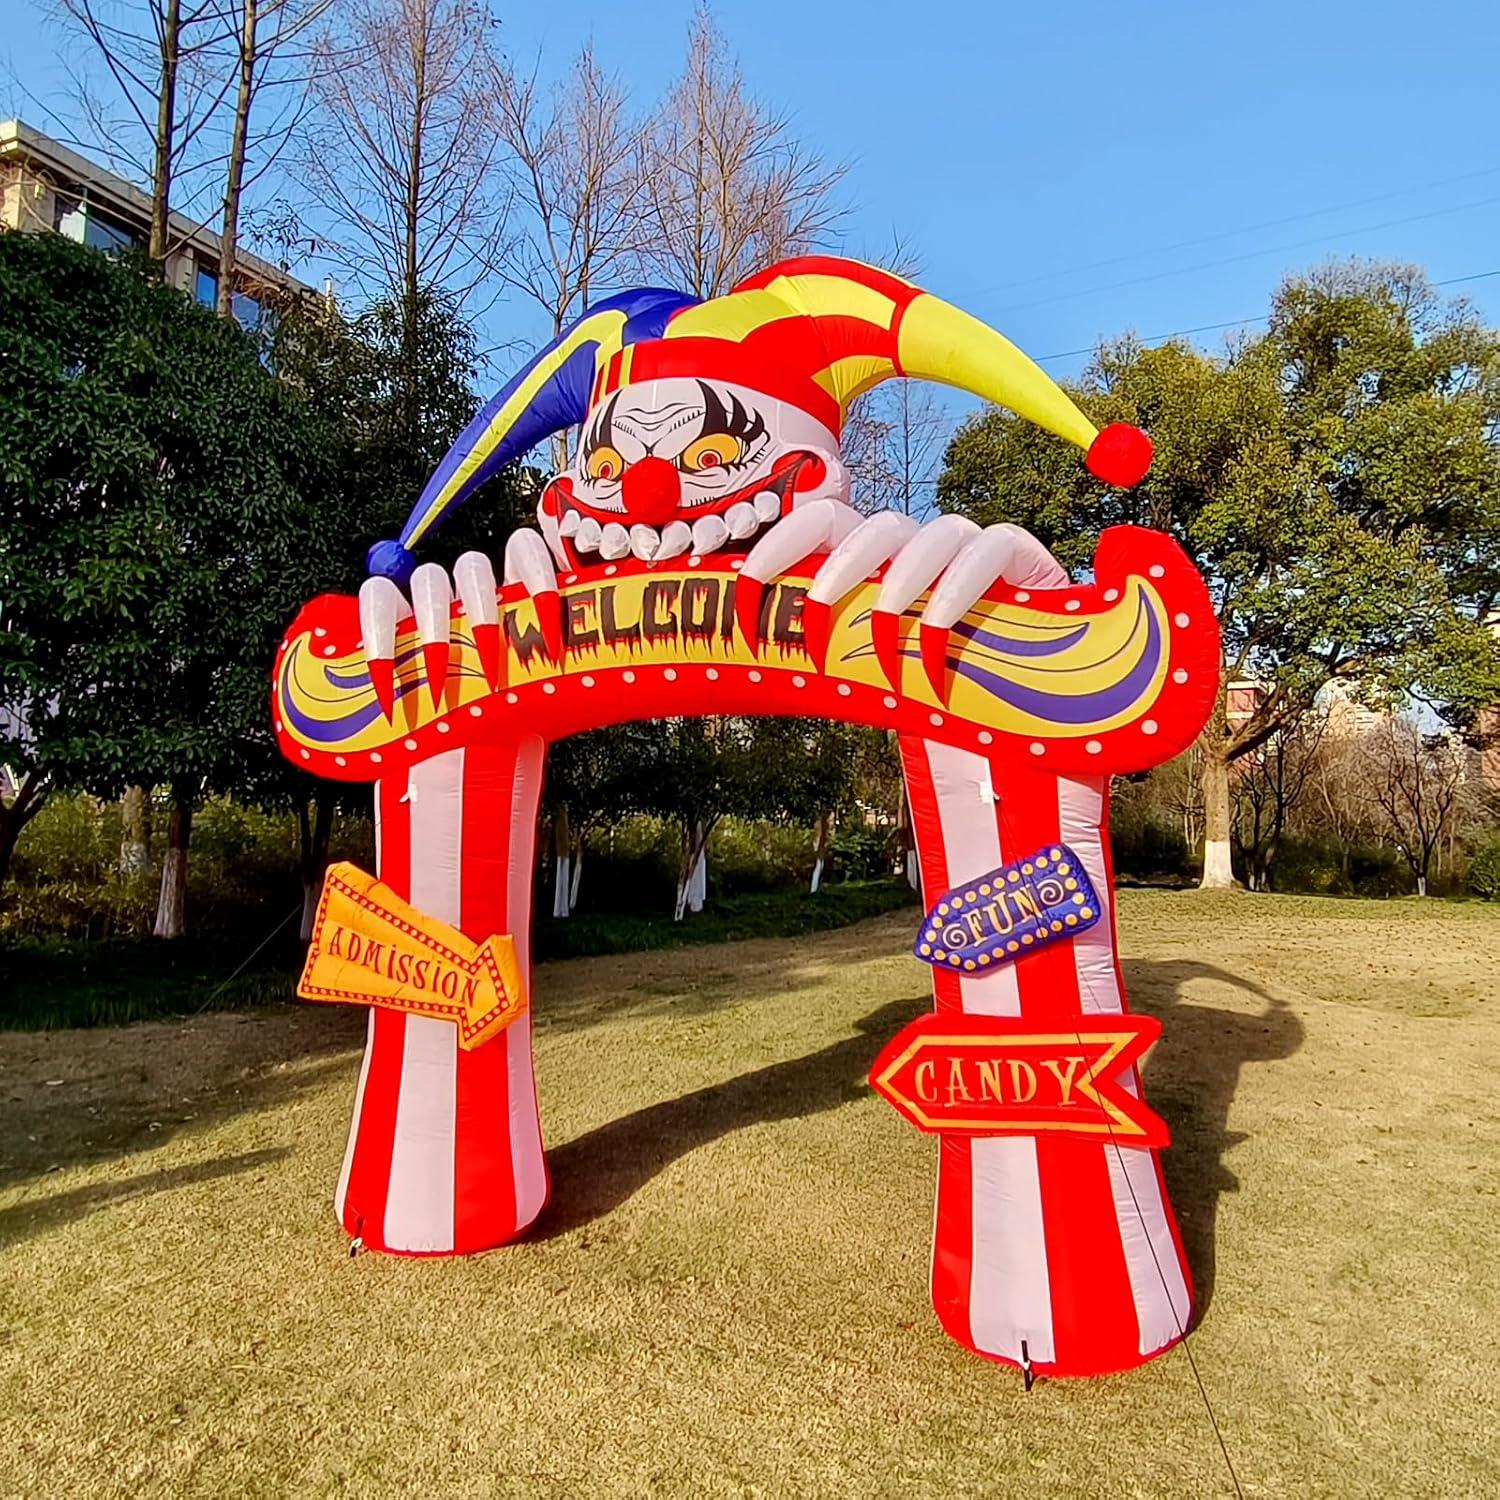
1229, 234
1228, 260
1177, 333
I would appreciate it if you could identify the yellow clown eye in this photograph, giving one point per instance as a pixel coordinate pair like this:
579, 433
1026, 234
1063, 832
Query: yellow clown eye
714, 450
605, 463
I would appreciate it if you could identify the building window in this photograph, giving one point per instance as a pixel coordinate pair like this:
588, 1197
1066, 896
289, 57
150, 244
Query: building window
101, 232
206, 287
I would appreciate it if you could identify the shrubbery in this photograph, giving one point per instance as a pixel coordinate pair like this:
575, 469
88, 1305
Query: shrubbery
1484, 872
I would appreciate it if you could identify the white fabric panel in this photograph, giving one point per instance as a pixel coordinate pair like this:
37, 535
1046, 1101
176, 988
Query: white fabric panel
1010, 1296
1156, 1279
419, 1208
528, 1166
342, 1191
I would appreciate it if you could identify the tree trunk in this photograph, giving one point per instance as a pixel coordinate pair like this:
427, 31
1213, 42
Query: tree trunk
171, 904
577, 876
698, 887
135, 831
166, 129
692, 871
1421, 885
821, 840
31, 796
1218, 868
312, 862
1218, 865
562, 863
234, 177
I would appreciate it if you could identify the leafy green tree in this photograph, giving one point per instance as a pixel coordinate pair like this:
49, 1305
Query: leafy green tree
392, 406
1336, 479
162, 514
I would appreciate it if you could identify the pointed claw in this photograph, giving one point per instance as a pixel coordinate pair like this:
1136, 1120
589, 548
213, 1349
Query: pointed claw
549, 621
748, 593
934, 639
489, 643
817, 626
885, 635
382, 671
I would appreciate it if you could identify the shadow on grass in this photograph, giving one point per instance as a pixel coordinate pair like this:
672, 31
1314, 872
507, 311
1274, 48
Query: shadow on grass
1191, 1079
593, 1174
33, 1216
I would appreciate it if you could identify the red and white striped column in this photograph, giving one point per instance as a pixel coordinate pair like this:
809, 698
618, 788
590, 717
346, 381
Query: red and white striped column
1060, 1252
445, 1150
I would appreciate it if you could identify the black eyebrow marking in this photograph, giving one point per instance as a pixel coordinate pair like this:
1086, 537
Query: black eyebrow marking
603, 430
737, 421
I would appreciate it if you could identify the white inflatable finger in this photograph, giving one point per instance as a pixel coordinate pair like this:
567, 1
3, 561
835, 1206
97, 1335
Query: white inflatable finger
382, 607
475, 577
432, 601
529, 563
920, 561
809, 527
875, 540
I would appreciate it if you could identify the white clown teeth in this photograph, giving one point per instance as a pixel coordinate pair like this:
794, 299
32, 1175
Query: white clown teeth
614, 542
767, 505
588, 536
741, 520
709, 533
569, 523
644, 542
676, 537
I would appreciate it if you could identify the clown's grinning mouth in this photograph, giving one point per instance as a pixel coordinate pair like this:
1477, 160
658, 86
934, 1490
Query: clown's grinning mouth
735, 530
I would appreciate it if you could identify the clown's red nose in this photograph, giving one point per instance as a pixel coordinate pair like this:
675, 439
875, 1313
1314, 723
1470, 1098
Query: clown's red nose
650, 491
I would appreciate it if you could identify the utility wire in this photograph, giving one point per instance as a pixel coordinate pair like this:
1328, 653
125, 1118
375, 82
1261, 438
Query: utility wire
1229, 260
1229, 234
1161, 338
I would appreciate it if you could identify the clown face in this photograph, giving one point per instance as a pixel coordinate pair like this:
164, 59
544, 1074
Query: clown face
671, 465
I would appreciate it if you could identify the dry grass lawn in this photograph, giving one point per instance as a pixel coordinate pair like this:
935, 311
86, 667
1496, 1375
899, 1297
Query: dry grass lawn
728, 1295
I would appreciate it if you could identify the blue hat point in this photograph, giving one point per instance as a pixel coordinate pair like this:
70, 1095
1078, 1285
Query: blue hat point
391, 560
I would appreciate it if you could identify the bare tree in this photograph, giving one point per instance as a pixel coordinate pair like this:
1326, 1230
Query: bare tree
575, 157
274, 51
726, 186
1266, 786
575, 154
406, 158
1416, 782
892, 442
166, 83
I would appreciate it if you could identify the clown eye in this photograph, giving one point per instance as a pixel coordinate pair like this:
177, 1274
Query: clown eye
605, 463
714, 450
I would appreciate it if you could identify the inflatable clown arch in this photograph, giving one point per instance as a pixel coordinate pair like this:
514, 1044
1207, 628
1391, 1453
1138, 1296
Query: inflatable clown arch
700, 556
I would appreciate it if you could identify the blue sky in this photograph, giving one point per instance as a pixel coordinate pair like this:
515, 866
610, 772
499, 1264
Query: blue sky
1075, 169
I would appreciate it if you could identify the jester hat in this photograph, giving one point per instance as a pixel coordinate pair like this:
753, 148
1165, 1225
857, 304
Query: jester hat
814, 332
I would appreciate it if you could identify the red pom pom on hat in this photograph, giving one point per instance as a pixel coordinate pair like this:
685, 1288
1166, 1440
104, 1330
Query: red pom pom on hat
1120, 455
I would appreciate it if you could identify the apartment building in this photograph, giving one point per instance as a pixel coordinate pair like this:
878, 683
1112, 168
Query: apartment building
47, 187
